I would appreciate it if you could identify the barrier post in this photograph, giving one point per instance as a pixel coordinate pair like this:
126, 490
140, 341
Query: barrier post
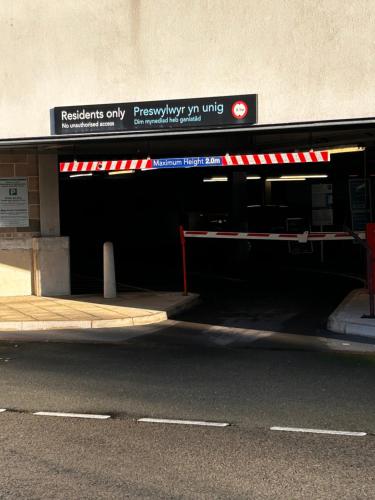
370, 236
183, 255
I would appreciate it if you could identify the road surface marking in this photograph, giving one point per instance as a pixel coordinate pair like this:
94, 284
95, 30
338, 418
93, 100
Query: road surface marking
72, 415
2, 410
318, 431
183, 422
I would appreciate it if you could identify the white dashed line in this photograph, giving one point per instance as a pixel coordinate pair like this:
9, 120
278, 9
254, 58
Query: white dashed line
71, 415
318, 431
2, 410
183, 422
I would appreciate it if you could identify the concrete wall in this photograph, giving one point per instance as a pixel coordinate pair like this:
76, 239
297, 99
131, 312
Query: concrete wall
16, 263
34, 259
51, 266
16, 266
49, 195
307, 59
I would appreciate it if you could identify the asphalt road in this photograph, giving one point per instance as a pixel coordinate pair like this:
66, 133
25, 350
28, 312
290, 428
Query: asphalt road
237, 359
251, 389
46, 457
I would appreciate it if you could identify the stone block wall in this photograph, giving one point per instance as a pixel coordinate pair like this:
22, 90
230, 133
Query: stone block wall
23, 165
34, 259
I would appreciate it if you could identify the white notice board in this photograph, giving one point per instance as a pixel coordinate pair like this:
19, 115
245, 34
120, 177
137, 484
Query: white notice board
14, 202
322, 202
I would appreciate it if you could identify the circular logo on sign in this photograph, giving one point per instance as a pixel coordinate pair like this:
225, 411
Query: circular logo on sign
239, 110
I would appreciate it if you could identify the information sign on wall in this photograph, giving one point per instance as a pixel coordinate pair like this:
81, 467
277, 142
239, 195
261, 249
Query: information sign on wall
322, 202
359, 194
204, 112
14, 203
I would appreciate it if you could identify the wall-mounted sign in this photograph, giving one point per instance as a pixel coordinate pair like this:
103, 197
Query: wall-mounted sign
359, 195
188, 162
322, 203
14, 202
204, 112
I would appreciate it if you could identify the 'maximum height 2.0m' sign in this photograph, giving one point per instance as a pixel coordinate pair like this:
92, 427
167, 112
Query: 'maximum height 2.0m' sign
205, 112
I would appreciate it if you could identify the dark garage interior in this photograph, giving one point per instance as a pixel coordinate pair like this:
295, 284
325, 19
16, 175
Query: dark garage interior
140, 212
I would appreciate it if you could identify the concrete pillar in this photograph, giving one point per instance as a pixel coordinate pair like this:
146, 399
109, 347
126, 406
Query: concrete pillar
51, 255
267, 193
49, 195
239, 201
239, 218
109, 277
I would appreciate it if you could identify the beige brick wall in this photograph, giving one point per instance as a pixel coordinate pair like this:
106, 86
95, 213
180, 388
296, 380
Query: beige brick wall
23, 165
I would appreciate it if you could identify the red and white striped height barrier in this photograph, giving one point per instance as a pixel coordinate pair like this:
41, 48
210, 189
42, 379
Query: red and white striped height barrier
277, 158
300, 237
223, 161
106, 165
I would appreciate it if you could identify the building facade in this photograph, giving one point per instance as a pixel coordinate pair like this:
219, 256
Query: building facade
308, 62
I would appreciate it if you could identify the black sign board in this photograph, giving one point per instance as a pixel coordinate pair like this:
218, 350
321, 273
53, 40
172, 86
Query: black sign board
205, 112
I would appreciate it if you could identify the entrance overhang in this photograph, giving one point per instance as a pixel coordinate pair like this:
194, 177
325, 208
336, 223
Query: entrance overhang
283, 136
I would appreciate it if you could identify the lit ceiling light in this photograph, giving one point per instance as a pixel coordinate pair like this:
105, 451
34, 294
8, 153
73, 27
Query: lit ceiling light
313, 176
215, 179
346, 149
119, 172
281, 179
253, 177
81, 175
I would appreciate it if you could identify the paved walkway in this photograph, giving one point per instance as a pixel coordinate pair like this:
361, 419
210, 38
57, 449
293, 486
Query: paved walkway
128, 309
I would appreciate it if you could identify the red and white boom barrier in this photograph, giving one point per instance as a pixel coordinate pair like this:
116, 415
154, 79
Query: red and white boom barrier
304, 237
300, 237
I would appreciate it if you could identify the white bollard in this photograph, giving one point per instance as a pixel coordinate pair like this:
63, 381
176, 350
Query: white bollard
109, 275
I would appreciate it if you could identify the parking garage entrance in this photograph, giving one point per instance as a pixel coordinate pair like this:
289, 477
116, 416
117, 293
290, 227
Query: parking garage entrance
140, 211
